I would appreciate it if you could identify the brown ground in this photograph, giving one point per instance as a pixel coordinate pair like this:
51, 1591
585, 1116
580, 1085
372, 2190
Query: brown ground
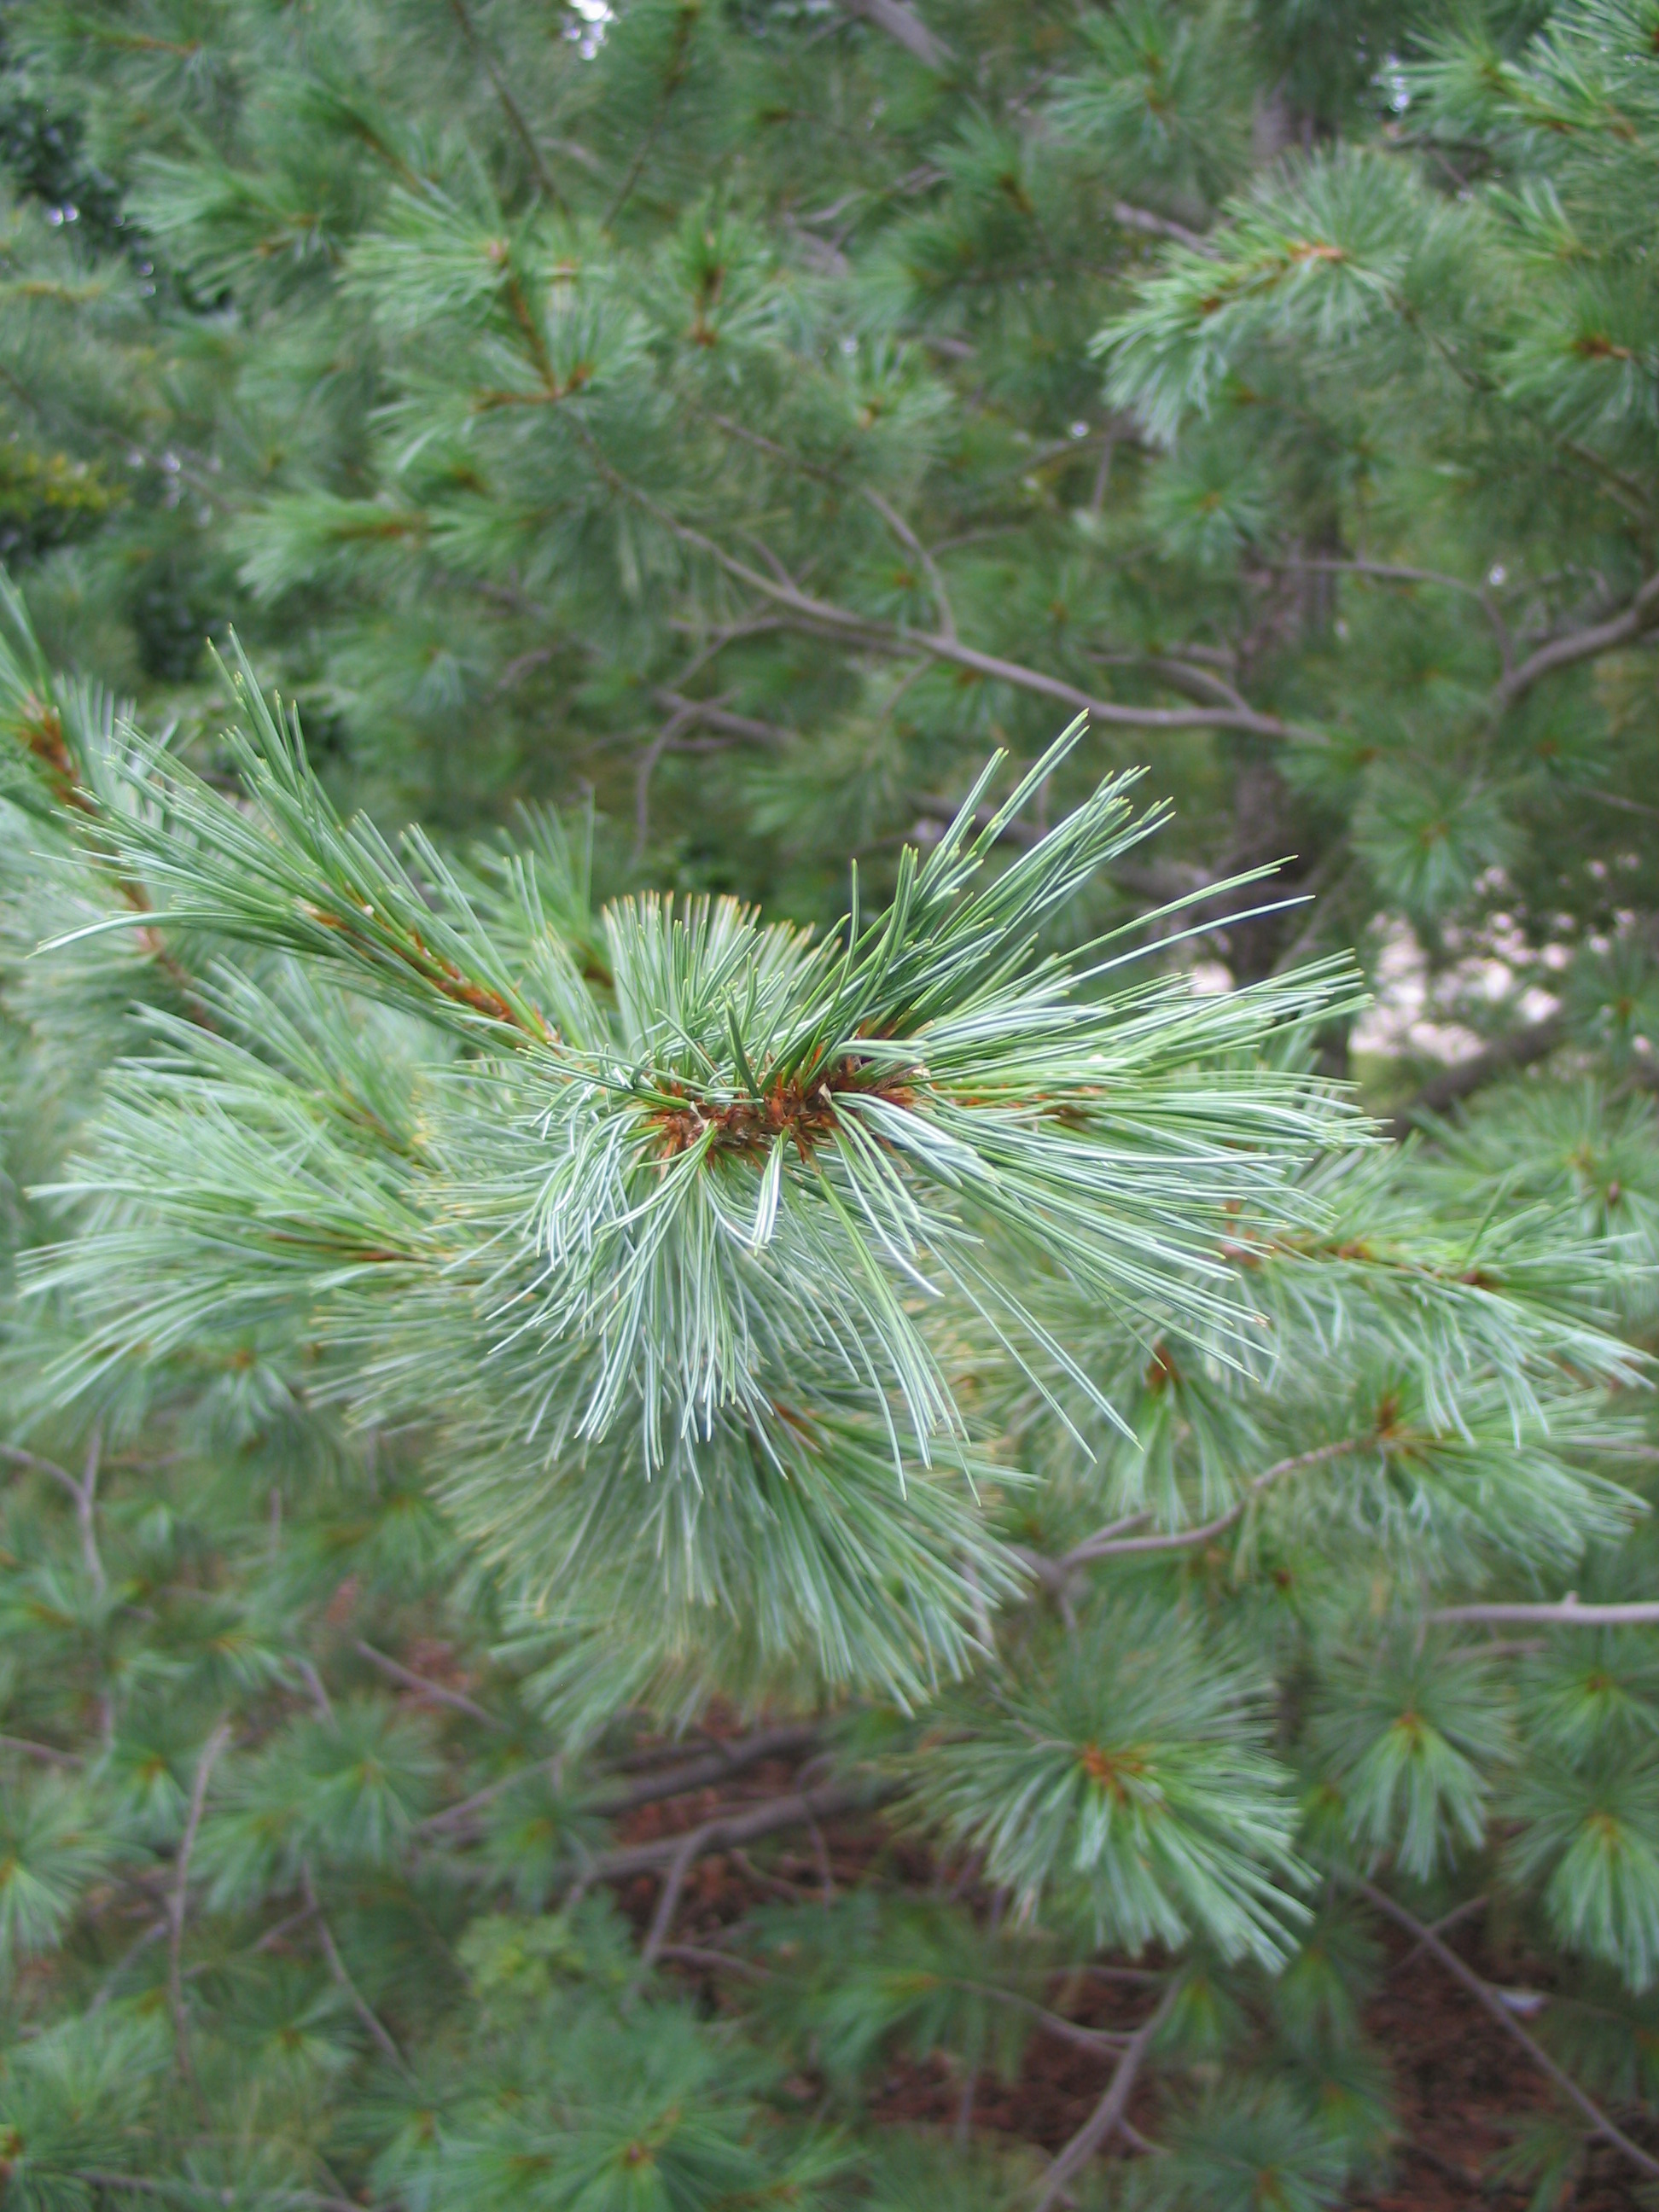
1458, 2078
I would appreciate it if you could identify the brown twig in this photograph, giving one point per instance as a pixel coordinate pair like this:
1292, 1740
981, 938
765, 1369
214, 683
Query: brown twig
1506, 1056
902, 23
204, 1766
336, 1966
1112, 1541
813, 616
662, 1919
47, 1753
1111, 2108
510, 108
84, 1493
410, 1680
1567, 1612
1127, 217
1623, 629
716, 1765
736, 1825
1492, 2003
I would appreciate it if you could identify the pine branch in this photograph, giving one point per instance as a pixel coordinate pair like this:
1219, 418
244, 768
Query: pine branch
1490, 2002
49, 1468
322, 887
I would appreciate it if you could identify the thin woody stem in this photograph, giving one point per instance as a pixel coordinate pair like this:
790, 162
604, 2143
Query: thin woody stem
1114, 1540
1491, 2003
1111, 2109
177, 1903
1567, 1612
336, 1966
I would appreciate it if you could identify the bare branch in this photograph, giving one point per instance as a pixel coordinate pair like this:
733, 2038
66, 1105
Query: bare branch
84, 1492
1110, 2109
106, 1989
313, 1682
1490, 2002
1506, 1056
1468, 1911
739, 1825
901, 22
86, 1503
822, 618
714, 716
873, 499
47, 1753
194, 2192
1055, 2023
39, 1466
716, 1765
336, 1966
818, 618
698, 1955
1114, 1541
1639, 616
204, 1766
673, 77
1567, 1612
662, 1919
908, 538
1159, 226
510, 108
411, 1681
1394, 572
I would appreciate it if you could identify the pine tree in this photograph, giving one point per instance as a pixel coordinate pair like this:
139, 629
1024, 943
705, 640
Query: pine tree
493, 1349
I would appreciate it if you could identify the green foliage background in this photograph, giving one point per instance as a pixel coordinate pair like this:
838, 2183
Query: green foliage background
501, 1334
